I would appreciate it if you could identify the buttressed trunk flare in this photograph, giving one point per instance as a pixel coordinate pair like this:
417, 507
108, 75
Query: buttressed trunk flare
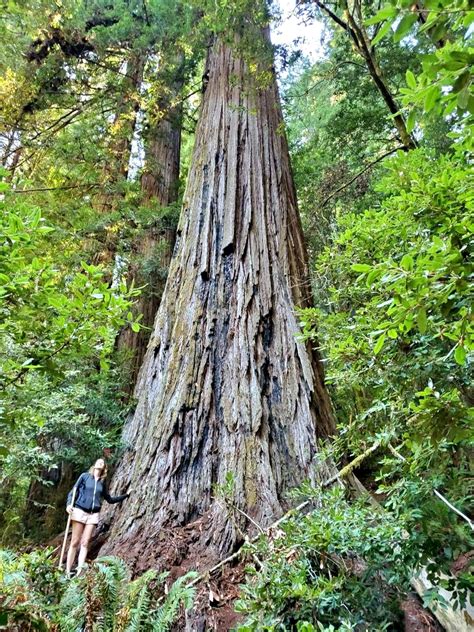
226, 386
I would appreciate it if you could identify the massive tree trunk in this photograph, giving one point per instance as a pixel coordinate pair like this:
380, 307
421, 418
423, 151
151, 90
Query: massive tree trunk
159, 182
226, 386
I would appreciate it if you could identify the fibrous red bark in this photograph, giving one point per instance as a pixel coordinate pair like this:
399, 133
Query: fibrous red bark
226, 386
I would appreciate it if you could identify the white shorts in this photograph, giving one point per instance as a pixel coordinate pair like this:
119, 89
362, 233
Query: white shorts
78, 515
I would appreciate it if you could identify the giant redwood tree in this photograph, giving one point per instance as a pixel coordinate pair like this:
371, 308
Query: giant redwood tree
226, 387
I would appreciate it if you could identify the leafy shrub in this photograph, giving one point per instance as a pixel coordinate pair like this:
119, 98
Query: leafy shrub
395, 325
58, 324
341, 564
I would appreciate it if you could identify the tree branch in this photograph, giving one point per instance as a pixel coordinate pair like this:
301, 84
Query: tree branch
366, 168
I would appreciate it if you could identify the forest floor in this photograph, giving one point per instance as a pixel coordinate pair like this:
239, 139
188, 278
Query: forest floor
216, 592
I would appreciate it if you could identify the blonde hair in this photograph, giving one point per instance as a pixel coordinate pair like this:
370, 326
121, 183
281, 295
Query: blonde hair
104, 471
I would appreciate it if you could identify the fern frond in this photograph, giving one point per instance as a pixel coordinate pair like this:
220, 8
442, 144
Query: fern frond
135, 587
117, 565
180, 594
72, 607
140, 612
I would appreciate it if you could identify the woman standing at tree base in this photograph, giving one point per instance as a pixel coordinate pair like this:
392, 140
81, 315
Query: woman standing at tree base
88, 493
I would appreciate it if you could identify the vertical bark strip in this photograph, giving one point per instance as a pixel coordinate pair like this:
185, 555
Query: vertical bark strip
226, 387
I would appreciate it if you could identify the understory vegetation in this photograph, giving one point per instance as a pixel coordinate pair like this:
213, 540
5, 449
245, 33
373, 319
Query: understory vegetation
385, 186
37, 596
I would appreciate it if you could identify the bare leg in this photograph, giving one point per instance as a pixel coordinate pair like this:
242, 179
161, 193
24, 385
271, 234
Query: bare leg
77, 529
85, 539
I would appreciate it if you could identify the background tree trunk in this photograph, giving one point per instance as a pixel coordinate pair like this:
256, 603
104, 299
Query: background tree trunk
160, 184
226, 387
160, 179
115, 172
121, 134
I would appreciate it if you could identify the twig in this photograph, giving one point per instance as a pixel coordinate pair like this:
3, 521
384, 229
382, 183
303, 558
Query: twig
352, 465
446, 502
396, 453
248, 517
366, 168
435, 491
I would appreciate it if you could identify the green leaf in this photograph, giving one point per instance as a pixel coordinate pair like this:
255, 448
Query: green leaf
468, 20
422, 320
386, 12
462, 81
361, 267
470, 104
372, 276
411, 120
460, 355
136, 327
431, 98
382, 33
379, 344
462, 56
463, 98
410, 79
438, 32
407, 262
405, 25
392, 333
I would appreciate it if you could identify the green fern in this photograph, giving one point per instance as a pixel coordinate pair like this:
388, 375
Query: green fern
112, 576
179, 594
103, 598
72, 607
140, 612
139, 600
23, 605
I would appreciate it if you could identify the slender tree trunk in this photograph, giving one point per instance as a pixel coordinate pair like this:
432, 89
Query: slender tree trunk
226, 387
160, 177
44, 514
121, 134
